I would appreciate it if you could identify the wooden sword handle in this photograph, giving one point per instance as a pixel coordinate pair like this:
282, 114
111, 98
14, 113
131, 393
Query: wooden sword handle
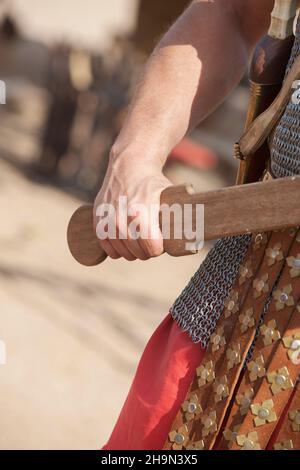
81, 234
250, 208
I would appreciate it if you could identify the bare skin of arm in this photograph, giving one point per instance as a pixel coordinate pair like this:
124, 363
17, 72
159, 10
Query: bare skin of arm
194, 67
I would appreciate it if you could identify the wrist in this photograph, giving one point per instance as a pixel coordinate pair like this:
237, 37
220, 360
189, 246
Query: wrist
134, 155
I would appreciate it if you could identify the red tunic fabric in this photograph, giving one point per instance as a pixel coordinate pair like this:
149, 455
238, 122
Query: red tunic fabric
164, 374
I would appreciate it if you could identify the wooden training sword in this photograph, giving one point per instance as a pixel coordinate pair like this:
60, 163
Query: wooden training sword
252, 208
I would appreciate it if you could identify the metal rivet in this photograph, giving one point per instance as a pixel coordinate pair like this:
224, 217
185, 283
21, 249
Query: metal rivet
179, 439
263, 413
284, 297
280, 380
295, 344
192, 408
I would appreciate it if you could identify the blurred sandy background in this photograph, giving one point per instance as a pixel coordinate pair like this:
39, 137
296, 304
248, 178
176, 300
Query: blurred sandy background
74, 335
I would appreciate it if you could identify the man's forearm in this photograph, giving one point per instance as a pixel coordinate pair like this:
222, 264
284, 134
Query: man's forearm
198, 62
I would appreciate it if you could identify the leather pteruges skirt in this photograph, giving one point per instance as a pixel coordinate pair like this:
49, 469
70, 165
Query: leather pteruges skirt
245, 393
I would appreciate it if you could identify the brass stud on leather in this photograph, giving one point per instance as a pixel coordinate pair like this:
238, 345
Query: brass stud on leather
209, 422
274, 254
230, 436
217, 339
284, 297
233, 355
249, 441
270, 332
246, 320
245, 272
260, 286
292, 343
264, 412
205, 373
191, 408
294, 263
231, 304
280, 380
221, 389
179, 437
244, 401
256, 368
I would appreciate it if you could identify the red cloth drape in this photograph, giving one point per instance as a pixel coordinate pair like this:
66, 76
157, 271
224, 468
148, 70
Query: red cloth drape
163, 377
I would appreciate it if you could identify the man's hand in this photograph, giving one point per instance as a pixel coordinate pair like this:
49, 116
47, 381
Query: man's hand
142, 184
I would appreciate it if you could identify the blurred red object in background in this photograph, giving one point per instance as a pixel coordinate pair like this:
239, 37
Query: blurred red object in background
192, 154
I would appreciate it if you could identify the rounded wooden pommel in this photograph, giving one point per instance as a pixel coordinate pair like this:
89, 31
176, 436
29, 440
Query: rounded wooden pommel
82, 239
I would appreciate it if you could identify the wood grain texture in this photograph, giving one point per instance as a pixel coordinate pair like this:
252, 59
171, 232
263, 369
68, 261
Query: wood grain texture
237, 210
256, 207
82, 240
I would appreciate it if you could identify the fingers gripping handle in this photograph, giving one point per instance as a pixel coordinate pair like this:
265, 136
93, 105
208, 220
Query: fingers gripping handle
84, 244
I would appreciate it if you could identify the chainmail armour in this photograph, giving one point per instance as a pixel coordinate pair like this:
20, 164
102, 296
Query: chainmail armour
201, 303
